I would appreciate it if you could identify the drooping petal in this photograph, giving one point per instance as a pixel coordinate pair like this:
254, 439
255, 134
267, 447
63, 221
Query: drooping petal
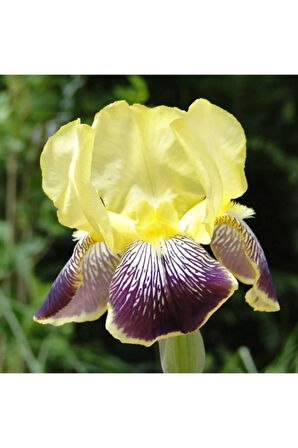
170, 291
137, 158
216, 142
66, 179
80, 292
235, 245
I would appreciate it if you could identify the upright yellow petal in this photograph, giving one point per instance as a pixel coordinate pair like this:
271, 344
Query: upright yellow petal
55, 161
89, 199
216, 141
137, 158
224, 138
66, 167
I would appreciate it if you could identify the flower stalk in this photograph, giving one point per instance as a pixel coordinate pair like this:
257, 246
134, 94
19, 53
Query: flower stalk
182, 354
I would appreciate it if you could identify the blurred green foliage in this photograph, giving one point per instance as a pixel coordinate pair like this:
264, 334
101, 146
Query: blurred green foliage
34, 247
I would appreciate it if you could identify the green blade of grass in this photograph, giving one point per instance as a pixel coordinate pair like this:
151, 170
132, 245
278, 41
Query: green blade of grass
24, 347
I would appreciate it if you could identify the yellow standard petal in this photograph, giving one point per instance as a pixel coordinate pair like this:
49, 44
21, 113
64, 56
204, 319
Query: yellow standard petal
140, 169
66, 167
216, 141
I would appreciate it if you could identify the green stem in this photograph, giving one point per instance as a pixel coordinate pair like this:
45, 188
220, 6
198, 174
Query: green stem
182, 354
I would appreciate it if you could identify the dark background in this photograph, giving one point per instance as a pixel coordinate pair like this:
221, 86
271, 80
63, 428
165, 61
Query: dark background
34, 247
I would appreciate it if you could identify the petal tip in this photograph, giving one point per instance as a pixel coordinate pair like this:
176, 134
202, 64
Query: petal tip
260, 301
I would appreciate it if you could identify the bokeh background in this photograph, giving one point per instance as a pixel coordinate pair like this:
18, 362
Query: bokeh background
34, 246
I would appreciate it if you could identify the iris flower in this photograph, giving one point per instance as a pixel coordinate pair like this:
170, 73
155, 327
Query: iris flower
144, 188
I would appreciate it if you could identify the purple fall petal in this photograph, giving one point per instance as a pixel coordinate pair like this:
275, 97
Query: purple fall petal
80, 292
235, 245
171, 290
